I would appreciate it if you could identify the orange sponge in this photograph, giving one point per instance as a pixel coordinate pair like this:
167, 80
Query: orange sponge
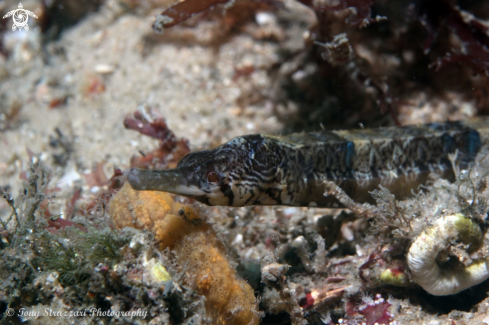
176, 226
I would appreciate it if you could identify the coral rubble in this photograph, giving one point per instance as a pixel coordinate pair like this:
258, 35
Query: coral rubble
197, 252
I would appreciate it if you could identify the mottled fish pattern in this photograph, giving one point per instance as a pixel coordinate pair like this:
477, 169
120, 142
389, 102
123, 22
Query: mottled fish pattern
292, 170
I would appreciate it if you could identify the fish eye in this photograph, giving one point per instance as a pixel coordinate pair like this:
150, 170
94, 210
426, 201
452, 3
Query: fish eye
213, 178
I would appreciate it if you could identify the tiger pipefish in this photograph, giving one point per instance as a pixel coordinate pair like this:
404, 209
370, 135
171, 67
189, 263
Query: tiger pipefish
295, 170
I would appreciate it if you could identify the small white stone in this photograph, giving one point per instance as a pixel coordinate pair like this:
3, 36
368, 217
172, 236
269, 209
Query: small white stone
238, 240
264, 18
103, 68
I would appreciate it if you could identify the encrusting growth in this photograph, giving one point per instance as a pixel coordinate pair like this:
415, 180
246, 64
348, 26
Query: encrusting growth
198, 253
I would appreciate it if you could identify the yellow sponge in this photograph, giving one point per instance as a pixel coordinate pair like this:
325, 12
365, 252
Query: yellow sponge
207, 270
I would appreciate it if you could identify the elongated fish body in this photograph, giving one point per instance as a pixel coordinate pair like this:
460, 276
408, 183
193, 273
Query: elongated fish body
292, 170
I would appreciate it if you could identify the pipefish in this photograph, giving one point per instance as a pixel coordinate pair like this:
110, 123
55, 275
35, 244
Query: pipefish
298, 169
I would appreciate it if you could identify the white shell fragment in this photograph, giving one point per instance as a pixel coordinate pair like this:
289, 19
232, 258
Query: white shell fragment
104, 68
